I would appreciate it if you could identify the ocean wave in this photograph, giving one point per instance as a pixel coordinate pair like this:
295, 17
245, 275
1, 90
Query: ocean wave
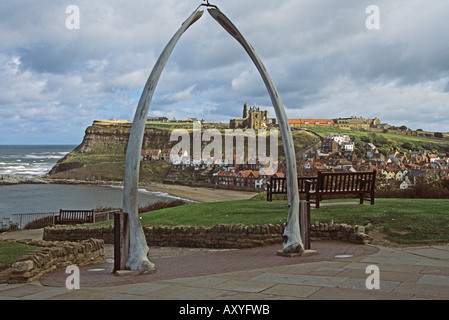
14, 167
25, 169
44, 156
29, 161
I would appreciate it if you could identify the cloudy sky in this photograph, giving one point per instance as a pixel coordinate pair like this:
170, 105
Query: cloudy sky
325, 62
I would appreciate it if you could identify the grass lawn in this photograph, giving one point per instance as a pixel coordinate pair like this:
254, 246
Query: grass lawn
407, 221
10, 252
246, 212
404, 220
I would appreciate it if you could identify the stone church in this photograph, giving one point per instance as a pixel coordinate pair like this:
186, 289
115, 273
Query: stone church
253, 118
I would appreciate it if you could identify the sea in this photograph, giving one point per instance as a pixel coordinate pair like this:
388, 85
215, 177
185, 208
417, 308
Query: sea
34, 161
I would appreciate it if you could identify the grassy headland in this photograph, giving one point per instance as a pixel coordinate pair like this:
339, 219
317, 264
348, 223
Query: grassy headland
386, 141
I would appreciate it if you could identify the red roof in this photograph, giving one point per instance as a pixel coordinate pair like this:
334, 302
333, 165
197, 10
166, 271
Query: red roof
310, 121
227, 174
245, 173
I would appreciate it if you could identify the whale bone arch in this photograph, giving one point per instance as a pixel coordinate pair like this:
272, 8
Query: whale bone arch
138, 259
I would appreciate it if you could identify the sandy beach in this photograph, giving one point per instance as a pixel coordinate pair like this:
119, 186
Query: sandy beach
200, 194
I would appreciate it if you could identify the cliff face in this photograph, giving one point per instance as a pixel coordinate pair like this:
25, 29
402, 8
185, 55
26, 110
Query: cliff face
101, 156
105, 135
103, 138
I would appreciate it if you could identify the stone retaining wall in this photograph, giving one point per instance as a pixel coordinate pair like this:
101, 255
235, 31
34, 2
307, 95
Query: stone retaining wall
54, 255
220, 236
337, 231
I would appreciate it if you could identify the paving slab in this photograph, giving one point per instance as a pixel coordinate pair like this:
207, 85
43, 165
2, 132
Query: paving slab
201, 282
259, 274
436, 270
251, 296
437, 280
142, 289
291, 290
432, 262
356, 294
384, 275
245, 286
21, 291
423, 289
360, 284
306, 280
186, 293
327, 271
434, 252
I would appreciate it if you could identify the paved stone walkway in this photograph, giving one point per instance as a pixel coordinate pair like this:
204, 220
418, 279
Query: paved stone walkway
336, 272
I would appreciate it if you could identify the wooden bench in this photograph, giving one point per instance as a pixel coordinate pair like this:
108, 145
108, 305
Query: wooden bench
74, 216
279, 186
331, 183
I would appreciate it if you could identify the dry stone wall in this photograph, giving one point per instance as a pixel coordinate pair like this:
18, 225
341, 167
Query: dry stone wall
55, 255
337, 231
220, 236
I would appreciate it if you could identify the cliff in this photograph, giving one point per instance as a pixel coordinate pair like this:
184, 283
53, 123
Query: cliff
102, 153
100, 158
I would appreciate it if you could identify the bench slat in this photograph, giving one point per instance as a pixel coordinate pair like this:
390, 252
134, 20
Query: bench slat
328, 183
279, 186
75, 216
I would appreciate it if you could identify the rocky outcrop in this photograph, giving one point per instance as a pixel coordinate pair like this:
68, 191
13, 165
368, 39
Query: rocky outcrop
63, 166
111, 137
102, 153
103, 138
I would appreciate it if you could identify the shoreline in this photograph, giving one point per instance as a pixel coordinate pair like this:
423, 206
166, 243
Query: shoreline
196, 194
200, 194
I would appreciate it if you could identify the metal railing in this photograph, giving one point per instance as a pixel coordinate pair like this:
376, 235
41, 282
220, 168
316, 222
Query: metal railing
32, 220
19, 221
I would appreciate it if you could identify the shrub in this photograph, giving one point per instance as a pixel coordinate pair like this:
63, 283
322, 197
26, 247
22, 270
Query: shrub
161, 205
426, 187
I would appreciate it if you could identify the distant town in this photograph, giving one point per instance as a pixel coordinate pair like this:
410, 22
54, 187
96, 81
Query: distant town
334, 153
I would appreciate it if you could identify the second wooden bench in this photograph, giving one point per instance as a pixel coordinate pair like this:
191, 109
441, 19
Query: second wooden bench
75, 216
332, 183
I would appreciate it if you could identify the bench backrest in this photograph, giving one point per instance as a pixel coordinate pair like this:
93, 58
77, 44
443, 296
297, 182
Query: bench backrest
279, 185
76, 215
345, 181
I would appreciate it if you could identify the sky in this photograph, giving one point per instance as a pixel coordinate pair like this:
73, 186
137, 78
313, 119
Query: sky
327, 58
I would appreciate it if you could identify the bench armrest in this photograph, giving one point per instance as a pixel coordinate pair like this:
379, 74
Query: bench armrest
309, 183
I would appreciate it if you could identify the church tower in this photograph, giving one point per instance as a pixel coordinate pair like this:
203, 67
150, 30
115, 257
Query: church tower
245, 111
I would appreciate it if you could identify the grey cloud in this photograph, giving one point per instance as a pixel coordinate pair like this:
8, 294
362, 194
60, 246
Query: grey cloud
319, 53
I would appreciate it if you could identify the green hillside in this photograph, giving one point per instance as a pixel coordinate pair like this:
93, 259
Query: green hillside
390, 140
101, 155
